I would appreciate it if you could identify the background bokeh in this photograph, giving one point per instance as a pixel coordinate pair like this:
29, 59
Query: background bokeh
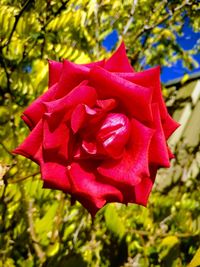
40, 227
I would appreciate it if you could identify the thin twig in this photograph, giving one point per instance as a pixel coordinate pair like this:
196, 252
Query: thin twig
147, 29
22, 178
78, 229
3, 63
55, 14
58, 218
128, 24
43, 29
6, 149
38, 250
17, 17
96, 7
146, 233
166, 17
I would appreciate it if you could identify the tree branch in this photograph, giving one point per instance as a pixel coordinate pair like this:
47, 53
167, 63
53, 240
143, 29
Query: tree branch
96, 27
17, 17
22, 178
38, 250
147, 29
3, 63
166, 17
55, 13
179, 235
6, 149
128, 24
58, 218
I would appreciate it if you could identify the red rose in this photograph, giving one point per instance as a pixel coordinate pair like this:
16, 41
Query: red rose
99, 132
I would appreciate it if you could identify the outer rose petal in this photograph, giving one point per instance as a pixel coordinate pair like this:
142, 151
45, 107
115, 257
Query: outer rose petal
30, 148
86, 185
158, 153
135, 98
169, 126
143, 189
35, 111
53, 173
55, 70
90, 65
27, 121
62, 79
151, 78
82, 94
119, 62
140, 192
171, 155
55, 176
72, 75
134, 165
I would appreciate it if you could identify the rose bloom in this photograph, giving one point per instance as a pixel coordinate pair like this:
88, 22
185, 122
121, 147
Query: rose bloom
99, 132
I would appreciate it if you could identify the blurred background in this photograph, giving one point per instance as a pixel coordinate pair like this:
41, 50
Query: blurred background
40, 227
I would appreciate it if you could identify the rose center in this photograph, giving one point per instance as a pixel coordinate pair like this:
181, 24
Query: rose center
100, 137
113, 134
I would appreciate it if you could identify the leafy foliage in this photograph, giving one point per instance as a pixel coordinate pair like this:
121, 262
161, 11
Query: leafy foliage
40, 227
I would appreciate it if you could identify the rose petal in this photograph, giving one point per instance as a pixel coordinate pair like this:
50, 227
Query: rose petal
149, 78
78, 118
55, 176
80, 115
171, 155
158, 153
86, 185
114, 134
82, 94
35, 111
119, 62
169, 126
72, 75
106, 137
107, 104
55, 70
30, 148
134, 165
83, 115
27, 121
93, 64
143, 189
55, 140
89, 147
134, 98
140, 192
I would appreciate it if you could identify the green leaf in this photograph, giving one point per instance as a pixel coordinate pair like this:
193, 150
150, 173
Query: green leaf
169, 251
53, 249
113, 222
185, 78
44, 225
195, 262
